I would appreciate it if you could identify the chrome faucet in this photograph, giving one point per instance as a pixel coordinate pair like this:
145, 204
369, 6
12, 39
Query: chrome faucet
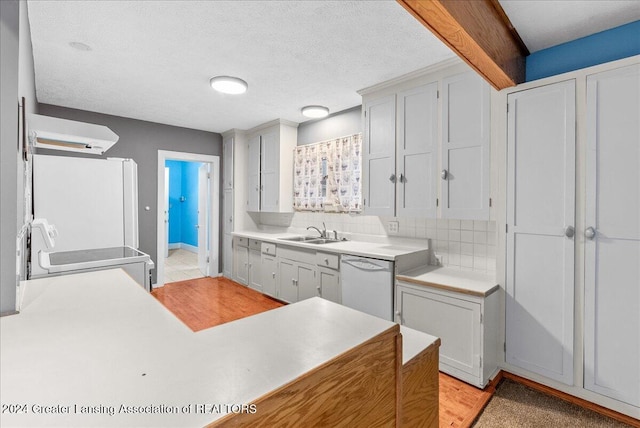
323, 232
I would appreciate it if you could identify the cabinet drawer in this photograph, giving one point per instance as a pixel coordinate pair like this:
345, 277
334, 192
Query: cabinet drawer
254, 244
240, 241
328, 260
268, 248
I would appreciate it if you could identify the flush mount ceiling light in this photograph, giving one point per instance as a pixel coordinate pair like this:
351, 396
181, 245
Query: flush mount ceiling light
229, 85
315, 111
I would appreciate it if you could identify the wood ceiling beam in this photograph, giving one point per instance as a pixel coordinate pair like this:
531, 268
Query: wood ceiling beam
479, 32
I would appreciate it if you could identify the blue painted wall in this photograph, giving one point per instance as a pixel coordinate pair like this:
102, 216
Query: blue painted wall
610, 45
183, 215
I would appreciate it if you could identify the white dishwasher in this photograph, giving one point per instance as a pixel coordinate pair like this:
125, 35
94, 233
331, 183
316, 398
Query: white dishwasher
367, 285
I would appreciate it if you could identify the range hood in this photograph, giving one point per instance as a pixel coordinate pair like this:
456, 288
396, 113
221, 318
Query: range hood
61, 134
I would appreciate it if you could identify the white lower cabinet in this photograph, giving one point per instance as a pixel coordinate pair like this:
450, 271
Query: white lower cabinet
255, 265
329, 287
241, 260
466, 325
297, 274
329, 276
269, 269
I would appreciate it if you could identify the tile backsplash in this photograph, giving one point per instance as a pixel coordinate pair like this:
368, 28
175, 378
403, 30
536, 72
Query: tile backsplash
461, 244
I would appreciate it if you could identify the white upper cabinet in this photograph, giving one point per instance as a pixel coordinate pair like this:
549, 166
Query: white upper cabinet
379, 156
410, 140
401, 153
270, 175
253, 178
227, 163
417, 152
466, 132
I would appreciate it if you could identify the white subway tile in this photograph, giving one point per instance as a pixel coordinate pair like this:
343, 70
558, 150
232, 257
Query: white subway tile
466, 261
479, 225
454, 235
454, 247
479, 250
443, 235
480, 237
454, 224
466, 236
466, 248
443, 223
466, 225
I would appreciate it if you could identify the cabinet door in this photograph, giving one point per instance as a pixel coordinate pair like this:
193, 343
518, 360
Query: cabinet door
287, 278
268, 269
540, 245
378, 163
242, 264
465, 147
255, 271
269, 172
612, 255
455, 321
253, 179
227, 256
417, 151
329, 280
227, 163
307, 281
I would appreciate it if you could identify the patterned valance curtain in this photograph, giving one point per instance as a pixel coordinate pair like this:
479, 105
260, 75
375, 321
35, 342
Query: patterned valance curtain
327, 175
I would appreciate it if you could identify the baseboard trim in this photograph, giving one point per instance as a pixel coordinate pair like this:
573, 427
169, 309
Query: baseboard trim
571, 399
174, 246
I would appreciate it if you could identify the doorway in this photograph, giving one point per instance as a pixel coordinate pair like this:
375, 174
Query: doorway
187, 208
188, 216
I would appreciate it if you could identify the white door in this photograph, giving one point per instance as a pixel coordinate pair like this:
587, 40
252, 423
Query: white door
417, 157
166, 212
379, 154
612, 235
466, 131
540, 221
203, 216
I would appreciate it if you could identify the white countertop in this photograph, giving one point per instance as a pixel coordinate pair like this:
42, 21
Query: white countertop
98, 339
472, 283
376, 250
414, 342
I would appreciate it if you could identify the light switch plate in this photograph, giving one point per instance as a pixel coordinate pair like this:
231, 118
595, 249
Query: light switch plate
393, 227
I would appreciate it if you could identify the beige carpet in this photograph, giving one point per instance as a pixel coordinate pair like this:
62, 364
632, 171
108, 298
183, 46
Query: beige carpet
516, 405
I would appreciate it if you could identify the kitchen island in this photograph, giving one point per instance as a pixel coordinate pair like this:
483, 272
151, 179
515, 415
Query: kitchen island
95, 349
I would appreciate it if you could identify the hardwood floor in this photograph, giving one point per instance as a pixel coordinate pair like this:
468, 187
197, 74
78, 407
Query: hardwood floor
207, 302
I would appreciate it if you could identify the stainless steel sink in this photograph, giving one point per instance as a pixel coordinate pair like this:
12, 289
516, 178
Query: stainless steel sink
323, 241
301, 238
311, 240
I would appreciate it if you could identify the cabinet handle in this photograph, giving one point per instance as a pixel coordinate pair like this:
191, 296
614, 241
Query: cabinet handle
392, 178
444, 174
589, 232
273, 274
402, 178
326, 261
569, 231
318, 288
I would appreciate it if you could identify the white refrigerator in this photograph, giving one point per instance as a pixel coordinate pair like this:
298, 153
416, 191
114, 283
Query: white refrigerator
93, 203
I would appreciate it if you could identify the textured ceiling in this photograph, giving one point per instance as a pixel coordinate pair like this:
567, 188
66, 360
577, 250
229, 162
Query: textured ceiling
544, 23
152, 60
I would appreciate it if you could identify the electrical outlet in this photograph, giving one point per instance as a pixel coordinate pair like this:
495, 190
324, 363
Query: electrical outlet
393, 227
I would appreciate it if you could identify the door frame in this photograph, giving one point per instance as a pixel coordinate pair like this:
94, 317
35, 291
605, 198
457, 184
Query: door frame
214, 207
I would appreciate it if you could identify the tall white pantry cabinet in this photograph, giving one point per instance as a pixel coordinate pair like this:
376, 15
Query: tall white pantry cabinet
573, 232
